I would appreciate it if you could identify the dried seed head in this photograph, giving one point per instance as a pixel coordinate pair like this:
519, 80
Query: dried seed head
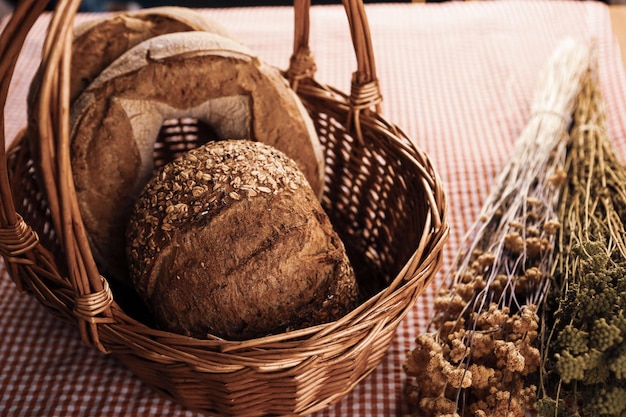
551, 226
559, 178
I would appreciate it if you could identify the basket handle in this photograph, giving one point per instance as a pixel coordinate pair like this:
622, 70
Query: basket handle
11, 43
93, 298
365, 89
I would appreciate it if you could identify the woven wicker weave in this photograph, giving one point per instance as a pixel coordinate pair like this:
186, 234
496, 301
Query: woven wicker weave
381, 193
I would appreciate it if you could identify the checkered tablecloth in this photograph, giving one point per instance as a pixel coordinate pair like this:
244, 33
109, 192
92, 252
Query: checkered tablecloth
458, 77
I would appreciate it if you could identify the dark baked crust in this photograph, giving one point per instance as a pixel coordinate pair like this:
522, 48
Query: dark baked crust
230, 240
183, 71
99, 42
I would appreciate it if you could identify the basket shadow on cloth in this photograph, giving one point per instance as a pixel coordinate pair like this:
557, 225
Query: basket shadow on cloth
381, 192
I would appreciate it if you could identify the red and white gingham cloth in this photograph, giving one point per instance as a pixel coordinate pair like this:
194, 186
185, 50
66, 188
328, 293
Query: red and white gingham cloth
457, 77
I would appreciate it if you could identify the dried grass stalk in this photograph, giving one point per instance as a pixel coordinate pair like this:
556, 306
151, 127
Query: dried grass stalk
481, 344
583, 325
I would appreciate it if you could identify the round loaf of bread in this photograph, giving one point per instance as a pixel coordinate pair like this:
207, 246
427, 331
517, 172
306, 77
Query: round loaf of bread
98, 42
116, 122
230, 240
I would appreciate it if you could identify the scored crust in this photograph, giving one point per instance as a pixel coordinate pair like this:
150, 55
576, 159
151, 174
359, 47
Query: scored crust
196, 74
230, 240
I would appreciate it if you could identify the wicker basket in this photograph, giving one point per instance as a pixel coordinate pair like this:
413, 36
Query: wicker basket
381, 193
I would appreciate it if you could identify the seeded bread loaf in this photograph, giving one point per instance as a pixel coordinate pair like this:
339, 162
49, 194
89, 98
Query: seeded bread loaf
230, 240
117, 119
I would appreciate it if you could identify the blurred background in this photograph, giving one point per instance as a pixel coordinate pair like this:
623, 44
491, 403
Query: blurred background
115, 5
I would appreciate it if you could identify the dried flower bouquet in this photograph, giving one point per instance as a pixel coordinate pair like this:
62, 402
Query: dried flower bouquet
583, 327
481, 346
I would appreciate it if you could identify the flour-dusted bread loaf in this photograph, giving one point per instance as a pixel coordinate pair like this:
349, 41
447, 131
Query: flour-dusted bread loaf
230, 240
116, 122
99, 42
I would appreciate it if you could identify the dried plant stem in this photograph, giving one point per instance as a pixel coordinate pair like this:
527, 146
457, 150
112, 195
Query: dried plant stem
583, 334
480, 349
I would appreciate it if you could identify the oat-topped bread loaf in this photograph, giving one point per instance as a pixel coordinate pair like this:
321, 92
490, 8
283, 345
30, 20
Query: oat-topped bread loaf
230, 240
117, 119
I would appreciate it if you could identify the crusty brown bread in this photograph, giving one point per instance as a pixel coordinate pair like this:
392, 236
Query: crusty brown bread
99, 42
116, 121
230, 240
96, 44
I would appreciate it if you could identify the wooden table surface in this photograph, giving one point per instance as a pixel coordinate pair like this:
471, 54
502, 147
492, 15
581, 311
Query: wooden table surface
618, 21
